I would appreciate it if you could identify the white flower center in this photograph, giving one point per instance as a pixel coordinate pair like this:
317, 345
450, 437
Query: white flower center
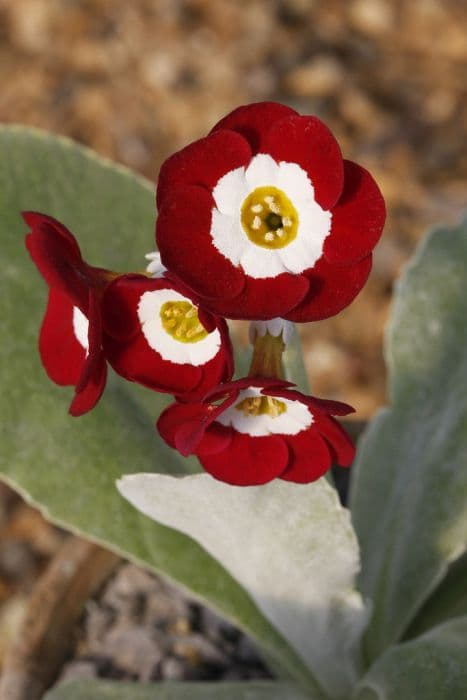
258, 415
164, 340
155, 266
81, 328
238, 229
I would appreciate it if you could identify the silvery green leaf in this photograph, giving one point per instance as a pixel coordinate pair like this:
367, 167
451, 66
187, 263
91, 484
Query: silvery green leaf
448, 600
431, 667
291, 546
409, 497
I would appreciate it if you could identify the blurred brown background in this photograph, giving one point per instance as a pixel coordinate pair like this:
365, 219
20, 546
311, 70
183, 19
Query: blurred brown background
138, 80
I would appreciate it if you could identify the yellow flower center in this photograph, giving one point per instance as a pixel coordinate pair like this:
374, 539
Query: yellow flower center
261, 405
269, 218
180, 320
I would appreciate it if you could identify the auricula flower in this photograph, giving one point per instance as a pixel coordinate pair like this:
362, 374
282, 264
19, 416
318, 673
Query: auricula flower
252, 430
70, 340
157, 335
264, 218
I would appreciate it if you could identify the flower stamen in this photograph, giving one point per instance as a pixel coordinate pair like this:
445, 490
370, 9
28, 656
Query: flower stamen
272, 211
180, 320
261, 406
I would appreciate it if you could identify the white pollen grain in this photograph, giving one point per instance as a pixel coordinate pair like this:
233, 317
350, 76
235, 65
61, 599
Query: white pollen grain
269, 236
256, 223
287, 221
256, 208
280, 232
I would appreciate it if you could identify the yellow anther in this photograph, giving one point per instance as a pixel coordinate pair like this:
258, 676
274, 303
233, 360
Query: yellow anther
180, 320
261, 405
256, 223
274, 214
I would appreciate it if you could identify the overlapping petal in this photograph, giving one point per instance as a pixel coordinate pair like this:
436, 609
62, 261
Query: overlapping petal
332, 288
254, 121
203, 162
357, 219
308, 142
183, 236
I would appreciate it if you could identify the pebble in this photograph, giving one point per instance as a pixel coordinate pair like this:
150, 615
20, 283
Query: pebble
319, 77
142, 628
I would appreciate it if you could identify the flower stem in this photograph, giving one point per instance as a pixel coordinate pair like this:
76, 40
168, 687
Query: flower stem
267, 356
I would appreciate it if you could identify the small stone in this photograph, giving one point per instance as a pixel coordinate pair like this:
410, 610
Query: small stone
373, 17
11, 617
172, 669
196, 649
320, 77
78, 670
133, 649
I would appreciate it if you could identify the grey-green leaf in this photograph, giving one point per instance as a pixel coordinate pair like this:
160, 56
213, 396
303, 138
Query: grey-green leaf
431, 667
409, 497
105, 690
448, 600
68, 466
291, 546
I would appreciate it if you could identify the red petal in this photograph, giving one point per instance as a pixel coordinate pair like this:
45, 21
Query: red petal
335, 408
191, 419
120, 304
340, 444
217, 438
94, 341
36, 220
248, 461
214, 372
59, 263
202, 163
264, 298
136, 361
244, 383
61, 353
308, 142
357, 219
310, 457
332, 288
88, 397
186, 247
254, 121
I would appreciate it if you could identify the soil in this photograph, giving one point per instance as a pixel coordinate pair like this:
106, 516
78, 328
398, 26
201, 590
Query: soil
136, 81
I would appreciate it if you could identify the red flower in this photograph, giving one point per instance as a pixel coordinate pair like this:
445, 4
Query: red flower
70, 341
157, 336
264, 218
260, 431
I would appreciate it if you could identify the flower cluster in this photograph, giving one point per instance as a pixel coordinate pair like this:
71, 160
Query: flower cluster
261, 220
